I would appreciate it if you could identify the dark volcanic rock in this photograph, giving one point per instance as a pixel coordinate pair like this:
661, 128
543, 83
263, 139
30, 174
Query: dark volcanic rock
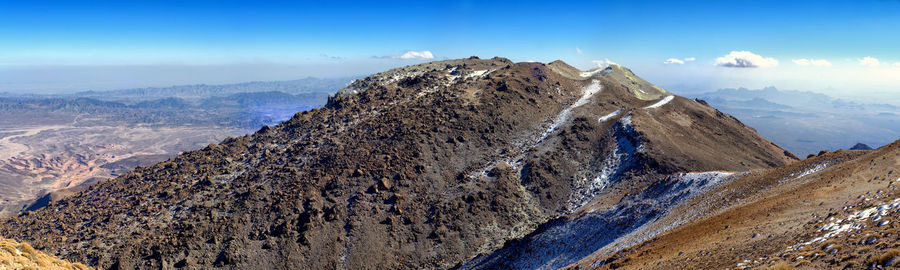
420, 167
861, 146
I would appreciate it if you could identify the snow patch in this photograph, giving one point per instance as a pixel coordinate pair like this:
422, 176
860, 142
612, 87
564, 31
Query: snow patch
479, 73
563, 115
452, 76
402, 75
839, 226
610, 115
587, 93
427, 91
625, 156
690, 185
626, 120
798, 175
566, 240
661, 102
516, 161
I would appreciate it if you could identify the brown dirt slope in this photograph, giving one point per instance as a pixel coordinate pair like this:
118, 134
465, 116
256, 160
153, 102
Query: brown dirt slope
15, 255
424, 166
836, 210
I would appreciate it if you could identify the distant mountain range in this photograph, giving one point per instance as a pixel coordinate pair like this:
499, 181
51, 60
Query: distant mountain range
807, 122
200, 91
245, 105
244, 110
792, 98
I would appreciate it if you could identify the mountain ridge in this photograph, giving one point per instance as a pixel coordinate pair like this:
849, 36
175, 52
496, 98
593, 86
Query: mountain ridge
428, 165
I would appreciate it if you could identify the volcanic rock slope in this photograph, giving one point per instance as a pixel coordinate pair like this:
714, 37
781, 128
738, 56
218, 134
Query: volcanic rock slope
434, 165
832, 211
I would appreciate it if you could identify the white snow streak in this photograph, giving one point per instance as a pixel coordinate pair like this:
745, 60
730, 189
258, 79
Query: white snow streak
516, 161
478, 73
661, 102
561, 118
587, 93
619, 159
795, 176
610, 115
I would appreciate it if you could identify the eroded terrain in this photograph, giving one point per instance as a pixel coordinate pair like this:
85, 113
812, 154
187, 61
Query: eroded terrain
52, 146
38, 159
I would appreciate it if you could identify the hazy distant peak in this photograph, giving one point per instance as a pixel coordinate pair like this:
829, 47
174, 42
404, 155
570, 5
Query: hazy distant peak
861, 146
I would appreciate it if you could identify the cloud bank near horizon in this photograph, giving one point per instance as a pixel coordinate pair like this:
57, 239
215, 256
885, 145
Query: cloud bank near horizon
745, 59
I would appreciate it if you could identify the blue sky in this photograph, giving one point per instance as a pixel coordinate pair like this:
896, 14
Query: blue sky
48, 46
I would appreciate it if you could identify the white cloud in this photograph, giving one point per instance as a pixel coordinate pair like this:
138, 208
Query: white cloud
578, 50
420, 55
812, 62
678, 61
897, 64
673, 61
603, 63
745, 59
869, 61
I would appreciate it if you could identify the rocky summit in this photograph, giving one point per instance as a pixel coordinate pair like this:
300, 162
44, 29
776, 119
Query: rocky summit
470, 163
